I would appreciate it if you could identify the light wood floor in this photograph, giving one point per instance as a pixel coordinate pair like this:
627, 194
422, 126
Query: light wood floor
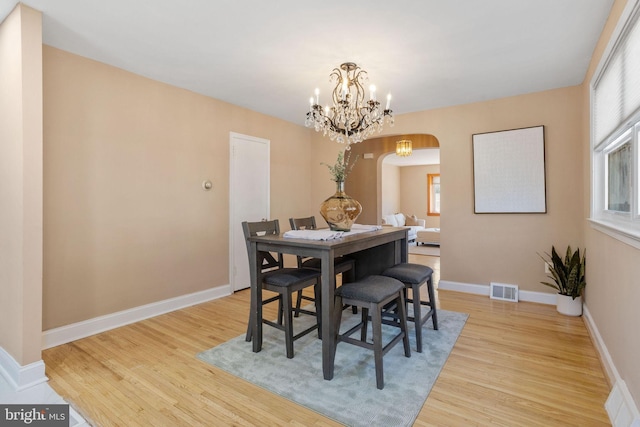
515, 364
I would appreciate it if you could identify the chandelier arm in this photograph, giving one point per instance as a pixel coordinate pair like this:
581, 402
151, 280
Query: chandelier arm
336, 75
337, 94
360, 75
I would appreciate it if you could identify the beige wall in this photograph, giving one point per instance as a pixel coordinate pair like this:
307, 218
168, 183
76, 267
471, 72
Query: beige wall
391, 189
414, 192
126, 220
21, 184
613, 289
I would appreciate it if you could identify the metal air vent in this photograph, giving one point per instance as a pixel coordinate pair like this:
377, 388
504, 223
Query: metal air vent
503, 291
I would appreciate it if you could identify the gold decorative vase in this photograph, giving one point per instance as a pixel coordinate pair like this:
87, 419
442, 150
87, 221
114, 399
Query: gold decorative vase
340, 211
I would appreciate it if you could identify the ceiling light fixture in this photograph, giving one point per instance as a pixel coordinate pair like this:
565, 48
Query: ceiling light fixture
403, 148
351, 118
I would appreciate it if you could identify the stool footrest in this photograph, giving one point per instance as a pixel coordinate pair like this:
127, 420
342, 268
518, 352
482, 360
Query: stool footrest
369, 346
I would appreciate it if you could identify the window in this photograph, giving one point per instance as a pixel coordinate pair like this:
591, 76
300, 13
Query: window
618, 182
433, 194
615, 130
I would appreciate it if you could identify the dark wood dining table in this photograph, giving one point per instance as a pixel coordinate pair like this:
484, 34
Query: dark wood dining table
374, 251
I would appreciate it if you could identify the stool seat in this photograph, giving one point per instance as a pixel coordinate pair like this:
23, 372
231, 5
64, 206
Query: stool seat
414, 276
373, 289
289, 276
409, 273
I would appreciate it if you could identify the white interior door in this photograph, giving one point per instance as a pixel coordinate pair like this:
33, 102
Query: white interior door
248, 199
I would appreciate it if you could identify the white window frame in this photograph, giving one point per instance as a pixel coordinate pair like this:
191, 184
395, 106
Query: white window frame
433, 197
624, 226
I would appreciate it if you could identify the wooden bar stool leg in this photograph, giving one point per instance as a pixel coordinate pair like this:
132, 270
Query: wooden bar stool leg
298, 303
432, 303
280, 311
288, 323
417, 315
376, 324
318, 298
247, 338
402, 312
365, 321
337, 320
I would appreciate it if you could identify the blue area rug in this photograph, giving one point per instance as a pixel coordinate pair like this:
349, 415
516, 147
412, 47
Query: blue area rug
351, 398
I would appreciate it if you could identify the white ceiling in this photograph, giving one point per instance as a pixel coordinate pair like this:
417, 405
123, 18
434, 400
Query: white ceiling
269, 56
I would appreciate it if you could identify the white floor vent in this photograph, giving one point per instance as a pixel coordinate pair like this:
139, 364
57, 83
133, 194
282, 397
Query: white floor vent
504, 292
621, 408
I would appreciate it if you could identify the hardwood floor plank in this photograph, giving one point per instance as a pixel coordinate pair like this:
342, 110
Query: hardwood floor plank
515, 364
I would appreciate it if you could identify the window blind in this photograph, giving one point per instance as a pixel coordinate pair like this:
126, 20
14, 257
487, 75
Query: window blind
617, 91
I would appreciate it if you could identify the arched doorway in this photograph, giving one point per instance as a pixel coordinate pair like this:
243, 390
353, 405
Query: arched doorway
411, 185
365, 181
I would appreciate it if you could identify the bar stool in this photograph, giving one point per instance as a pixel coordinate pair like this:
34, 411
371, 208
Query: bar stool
372, 294
285, 282
414, 276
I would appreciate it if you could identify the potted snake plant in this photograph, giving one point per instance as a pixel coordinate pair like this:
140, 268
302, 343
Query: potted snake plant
568, 276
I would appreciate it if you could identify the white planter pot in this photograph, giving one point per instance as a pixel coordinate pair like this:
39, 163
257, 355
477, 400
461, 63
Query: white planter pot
569, 306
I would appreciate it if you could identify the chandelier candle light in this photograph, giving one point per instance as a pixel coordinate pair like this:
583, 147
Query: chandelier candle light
350, 119
403, 148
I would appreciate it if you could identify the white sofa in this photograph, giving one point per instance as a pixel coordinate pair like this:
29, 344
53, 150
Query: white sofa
429, 236
401, 220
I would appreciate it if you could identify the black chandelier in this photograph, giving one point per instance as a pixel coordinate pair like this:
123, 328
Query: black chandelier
350, 119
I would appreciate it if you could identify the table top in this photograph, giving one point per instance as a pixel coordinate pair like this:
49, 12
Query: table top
386, 233
396, 232
348, 244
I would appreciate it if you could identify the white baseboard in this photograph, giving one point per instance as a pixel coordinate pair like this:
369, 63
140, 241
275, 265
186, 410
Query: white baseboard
620, 406
75, 331
471, 288
539, 297
468, 288
609, 368
21, 377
